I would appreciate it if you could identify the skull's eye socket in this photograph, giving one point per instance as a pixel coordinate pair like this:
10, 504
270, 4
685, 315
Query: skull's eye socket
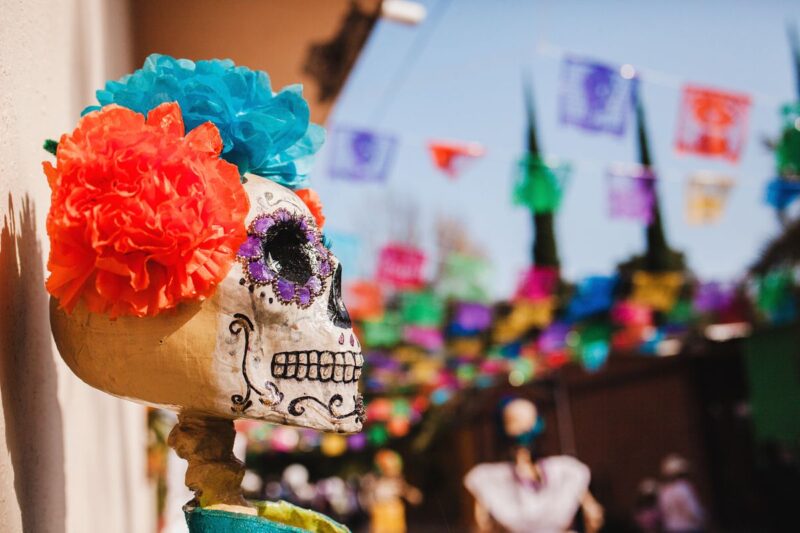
284, 250
287, 251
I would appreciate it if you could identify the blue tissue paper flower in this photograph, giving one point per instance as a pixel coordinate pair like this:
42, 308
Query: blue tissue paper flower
782, 192
264, 133
593, 295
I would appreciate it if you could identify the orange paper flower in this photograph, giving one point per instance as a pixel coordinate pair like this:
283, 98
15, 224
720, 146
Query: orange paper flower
142, 217
311, 199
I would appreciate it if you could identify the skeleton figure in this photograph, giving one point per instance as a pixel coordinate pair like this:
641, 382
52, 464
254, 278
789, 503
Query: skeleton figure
274, 342
172, 210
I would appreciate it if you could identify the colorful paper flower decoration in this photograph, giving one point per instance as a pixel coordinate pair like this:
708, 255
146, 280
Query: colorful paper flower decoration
781, 192
142, 217
264, 133
540, 185
314, 204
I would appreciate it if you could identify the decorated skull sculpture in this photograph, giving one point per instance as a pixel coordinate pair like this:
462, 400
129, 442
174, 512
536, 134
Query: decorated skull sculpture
274, 342
224, 299
304, 359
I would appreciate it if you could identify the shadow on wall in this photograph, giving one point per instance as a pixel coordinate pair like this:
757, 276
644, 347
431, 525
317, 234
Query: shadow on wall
28, 379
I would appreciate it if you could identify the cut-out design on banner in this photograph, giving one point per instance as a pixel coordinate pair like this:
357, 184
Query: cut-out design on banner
361, 155
451, 157
706, 196
539, 185
596, 96
712, 123
631, 192
400, 266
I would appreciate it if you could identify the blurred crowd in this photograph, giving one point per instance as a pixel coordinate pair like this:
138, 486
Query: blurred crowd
374, 501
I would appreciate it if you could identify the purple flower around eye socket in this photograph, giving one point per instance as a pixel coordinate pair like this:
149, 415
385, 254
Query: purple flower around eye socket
250, 248
324, 268
259, 272
262, 224
268, 234
303, 296
314, 285
285, 289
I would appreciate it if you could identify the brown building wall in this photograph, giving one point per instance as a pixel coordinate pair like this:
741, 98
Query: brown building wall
269, 35
628, 419
72, 459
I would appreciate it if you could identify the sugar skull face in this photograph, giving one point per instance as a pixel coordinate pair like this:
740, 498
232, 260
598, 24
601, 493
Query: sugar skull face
274, 342
283, 322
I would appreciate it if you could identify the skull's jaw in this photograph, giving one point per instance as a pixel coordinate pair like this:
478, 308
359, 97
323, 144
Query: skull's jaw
338, 414
330, 412
322, 388
335, 413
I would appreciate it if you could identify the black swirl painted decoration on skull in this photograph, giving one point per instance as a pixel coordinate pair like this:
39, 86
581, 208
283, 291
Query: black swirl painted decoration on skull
333, 405
286, 251
242, 325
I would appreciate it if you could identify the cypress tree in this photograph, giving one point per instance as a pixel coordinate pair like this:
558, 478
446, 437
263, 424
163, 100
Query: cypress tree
544, 251
794, 43
658, 256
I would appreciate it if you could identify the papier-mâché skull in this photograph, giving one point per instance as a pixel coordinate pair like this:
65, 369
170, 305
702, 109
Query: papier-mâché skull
274, 342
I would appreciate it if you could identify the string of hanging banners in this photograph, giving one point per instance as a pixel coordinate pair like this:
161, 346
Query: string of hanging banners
597, 97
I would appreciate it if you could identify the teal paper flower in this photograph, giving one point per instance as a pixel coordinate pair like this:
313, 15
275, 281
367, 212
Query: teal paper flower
264, 133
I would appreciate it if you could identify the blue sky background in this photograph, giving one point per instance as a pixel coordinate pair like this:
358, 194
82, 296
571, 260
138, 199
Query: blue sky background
466, 84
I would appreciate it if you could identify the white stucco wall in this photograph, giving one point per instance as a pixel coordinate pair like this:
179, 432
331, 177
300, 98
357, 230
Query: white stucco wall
71, 459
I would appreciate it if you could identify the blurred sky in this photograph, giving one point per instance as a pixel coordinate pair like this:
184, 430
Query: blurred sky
466, 84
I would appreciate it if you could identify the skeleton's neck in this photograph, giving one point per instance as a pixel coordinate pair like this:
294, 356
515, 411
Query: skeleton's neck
214, 473
524, 466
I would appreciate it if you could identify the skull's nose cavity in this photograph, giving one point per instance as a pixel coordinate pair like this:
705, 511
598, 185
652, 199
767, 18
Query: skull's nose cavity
337, 312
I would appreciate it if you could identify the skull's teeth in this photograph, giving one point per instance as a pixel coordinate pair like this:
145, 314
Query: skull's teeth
324, 366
